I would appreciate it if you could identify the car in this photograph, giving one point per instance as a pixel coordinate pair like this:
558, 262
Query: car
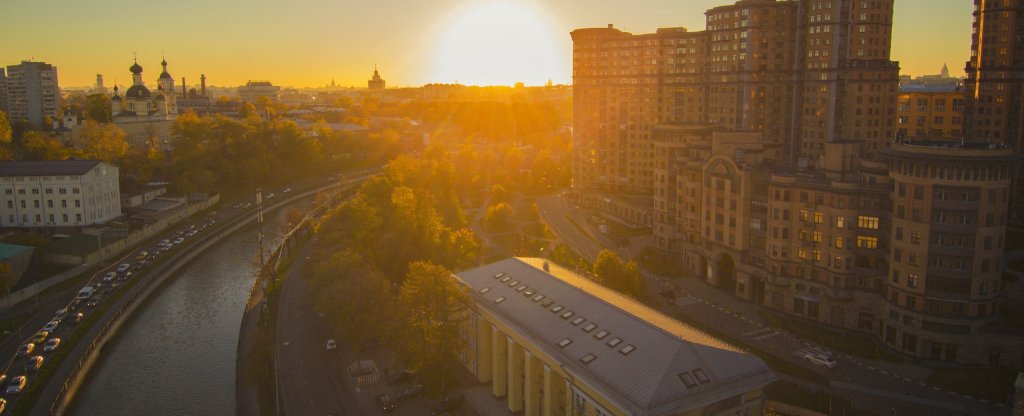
95, 300
332, 345
384, 403
165, 242
109, 277
287, 190
821, 360
16, 385
76, 319
50, 326
26, 349
123, 267
3, 405
409, 392
403, 376
447, 404
142, 255
179, 240
51, 344
60, 314
74, 305
86, 292
270, 195
34, 363
126, 276
40, 336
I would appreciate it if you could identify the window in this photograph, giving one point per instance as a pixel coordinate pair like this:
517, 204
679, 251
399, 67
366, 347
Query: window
557, 308
499, 275
816, 254
870, 223
803, 215
521, 288
839, 242
588, 358
506, 278
577, 321
568, 314
915, 236
589, 327
627, 349
529, 292
818, 217
513, 283
867, 242
817, 236
912, 280
499, 299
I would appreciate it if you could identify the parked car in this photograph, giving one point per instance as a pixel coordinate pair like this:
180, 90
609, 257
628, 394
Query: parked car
40, 336
179, 240
403, 376
16, 385
34, 363
821, 360
332, 345
409, 392
384, 403
447, 405
51, 344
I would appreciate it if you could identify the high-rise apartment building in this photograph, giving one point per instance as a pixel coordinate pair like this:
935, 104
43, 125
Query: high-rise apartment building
995, 89
789, 170
32, 92
3, 91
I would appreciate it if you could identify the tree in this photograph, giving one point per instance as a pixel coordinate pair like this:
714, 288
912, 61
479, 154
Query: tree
37, 145
615, 273
6, 152
6, 278
104, 142
499, 216
97, 108
433, 306
354, 296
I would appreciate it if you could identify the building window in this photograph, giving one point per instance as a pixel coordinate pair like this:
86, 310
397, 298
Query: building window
870, 223
915, 236
817, 236
912, 280
818, 218
867, 242
839, 242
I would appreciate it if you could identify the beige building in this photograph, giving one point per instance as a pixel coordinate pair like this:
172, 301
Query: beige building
58, 194
551, 342
146, 117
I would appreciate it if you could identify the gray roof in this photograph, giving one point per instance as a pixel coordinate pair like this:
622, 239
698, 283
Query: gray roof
645, 380
47, 167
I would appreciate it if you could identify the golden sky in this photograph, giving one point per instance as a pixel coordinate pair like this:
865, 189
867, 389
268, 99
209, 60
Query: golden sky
306, 43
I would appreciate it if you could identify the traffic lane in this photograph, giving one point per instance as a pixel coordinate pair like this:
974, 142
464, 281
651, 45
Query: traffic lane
557, 213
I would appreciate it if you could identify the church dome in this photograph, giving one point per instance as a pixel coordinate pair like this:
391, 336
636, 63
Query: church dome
137, 91
165, 75
115, 98
136, 69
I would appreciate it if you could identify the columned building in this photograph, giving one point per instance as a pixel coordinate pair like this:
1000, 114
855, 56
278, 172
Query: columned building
551, 342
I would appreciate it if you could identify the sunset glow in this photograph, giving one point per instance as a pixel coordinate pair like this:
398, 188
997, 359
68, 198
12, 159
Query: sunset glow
499, 43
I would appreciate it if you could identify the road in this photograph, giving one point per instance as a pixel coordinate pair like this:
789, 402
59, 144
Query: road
310, 378
879, 386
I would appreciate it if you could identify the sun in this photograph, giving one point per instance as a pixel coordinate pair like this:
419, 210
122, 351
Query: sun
499, 43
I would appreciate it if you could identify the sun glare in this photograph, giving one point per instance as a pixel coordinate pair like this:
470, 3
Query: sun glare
498, 43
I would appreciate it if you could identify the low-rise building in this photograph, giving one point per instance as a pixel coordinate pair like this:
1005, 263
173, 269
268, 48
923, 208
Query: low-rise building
55, 194
553, 342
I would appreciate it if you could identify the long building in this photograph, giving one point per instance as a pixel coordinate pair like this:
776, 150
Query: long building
58, 194
552, 342
33, 93
790, 171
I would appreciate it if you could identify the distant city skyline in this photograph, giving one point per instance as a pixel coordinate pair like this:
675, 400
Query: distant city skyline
311, 42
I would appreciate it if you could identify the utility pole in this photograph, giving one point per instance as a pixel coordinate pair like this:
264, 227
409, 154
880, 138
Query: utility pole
259, 221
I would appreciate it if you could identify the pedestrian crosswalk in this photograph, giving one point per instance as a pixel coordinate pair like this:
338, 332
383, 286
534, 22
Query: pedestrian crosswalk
761, 333
686, 299
811, 350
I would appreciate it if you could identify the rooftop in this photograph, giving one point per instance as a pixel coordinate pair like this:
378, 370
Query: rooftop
646, 362
47, 167
11, 250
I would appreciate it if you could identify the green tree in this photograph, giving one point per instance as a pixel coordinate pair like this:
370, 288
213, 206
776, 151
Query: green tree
354, 297
617, 274
498, 217
104, 142
6, 278
6, 151
433, 306
97, 108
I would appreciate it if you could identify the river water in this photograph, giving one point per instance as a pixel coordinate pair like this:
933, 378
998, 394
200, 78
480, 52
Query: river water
176, 356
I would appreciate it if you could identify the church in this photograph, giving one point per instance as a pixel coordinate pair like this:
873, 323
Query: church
146, 116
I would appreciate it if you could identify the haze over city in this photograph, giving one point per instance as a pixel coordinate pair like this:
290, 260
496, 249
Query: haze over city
472, 42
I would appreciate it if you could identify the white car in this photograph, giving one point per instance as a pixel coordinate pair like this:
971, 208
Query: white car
50, 326
51, 345
331, 345
178, 240
821, 360
123, 267
109, 277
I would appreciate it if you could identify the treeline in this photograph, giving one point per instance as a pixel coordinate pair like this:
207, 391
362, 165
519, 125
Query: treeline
384, 259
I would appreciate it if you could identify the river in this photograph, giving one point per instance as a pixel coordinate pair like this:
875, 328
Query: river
176, 356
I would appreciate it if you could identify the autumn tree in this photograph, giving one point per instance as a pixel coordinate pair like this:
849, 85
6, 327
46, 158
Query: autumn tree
432, 306
105, 142
354, 297
617, 274
37, 145
6, 152
97, 108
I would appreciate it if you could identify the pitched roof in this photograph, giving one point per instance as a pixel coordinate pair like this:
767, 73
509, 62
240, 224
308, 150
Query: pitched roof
658, 366
47, 167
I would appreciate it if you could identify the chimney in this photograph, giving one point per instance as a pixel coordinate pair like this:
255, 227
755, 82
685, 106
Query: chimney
202, 84
610, 26
184, 92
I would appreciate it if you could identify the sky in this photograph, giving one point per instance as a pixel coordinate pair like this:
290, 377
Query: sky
307, 43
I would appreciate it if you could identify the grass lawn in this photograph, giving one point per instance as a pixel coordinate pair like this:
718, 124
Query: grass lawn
995, 384
859, 345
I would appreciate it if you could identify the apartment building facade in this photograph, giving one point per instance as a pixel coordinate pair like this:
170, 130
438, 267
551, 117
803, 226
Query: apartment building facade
58, 194
33, 93
782, 177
